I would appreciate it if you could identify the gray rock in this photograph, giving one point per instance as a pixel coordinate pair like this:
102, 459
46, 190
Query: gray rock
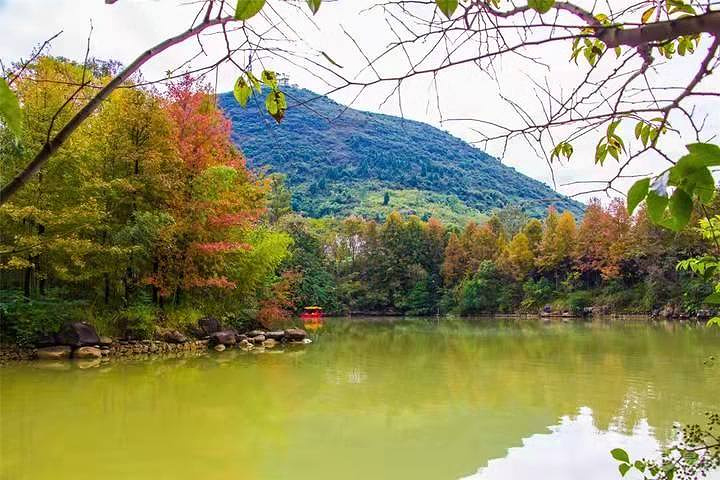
57, 352
209, 325
269, 343
278, 335
226, 337
219, 347
295, 334
77, 334
105, 341
245, 344
174, 336
258, 339
87, 352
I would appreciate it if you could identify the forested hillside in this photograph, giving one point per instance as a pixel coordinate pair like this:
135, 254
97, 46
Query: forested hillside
343, 164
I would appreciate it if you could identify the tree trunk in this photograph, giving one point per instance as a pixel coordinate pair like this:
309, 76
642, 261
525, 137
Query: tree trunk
155, 296
42, 280
26, 280
106, 296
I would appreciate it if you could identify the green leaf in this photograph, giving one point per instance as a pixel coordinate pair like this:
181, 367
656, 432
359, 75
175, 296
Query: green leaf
247, 9
541, 6
645, 135
242, 91
276, 105
637, 194
314, 5
647, 14
623, 467
620, 455
708, 153
638, 129
640, 465
447, 7
681, 206
656, 205
611, 128
254, 82
713, 298
269, 78
10, 112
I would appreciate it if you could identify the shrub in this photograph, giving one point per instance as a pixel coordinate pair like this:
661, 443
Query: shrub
537, 293
578, 301
24, 320
136, 322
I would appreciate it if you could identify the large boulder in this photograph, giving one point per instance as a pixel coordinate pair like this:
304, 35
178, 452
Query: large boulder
58, 352
258, 339
255, 333
295, 334
87, 353
277, 336
173, 336
209, 325
77, 334
226, 337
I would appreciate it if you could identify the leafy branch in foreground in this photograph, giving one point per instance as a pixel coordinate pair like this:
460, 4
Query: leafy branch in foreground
707, 266
694, 455
690, 177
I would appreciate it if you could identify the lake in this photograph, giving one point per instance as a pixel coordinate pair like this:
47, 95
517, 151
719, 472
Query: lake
369, 399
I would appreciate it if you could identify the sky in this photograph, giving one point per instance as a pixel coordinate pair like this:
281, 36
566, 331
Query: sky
127, 28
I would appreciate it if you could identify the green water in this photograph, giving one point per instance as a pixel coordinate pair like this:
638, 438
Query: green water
411, 399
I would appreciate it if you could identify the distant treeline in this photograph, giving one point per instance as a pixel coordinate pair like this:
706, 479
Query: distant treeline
510, 263
148, 216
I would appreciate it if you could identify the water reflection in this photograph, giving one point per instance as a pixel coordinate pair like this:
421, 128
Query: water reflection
414, 399
574, 448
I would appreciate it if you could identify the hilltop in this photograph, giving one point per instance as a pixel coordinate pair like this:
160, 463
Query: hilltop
346, 164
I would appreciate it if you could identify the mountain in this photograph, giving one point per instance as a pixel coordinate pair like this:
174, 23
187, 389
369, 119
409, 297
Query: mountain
342, 161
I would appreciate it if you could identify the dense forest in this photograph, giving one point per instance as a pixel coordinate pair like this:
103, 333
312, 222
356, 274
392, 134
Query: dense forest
149, 215
510, 263
340, 161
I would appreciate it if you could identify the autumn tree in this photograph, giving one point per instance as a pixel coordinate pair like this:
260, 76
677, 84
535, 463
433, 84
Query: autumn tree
218, 200
517, 259
556, 246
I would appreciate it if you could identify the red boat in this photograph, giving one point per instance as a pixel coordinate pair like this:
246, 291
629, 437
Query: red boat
312, 312
312, 317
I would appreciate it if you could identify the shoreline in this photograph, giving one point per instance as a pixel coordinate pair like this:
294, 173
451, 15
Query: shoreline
258, 341
98, 348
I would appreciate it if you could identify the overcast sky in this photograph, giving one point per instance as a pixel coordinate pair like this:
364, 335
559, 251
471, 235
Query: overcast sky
124, 30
